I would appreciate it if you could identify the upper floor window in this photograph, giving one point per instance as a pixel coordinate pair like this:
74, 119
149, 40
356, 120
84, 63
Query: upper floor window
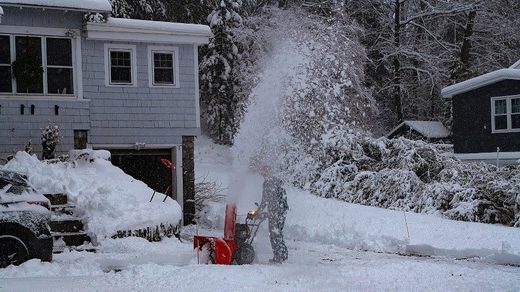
120, 65
163, 69
36, 65
505, 114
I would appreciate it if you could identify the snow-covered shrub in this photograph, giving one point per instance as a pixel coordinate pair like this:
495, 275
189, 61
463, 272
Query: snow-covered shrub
414, 176
50, 139
206, 193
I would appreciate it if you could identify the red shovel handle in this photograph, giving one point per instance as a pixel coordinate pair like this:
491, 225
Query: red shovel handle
168, 163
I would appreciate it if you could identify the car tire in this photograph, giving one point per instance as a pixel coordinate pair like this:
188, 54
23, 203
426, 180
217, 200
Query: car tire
13, 251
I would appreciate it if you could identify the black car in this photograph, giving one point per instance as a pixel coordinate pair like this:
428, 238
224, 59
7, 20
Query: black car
24, 221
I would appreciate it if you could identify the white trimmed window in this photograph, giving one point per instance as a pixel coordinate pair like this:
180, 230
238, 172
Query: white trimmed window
45, 65
505, 114
163, 70
120, 65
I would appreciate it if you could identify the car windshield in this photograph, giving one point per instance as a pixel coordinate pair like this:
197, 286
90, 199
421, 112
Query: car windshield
17, 181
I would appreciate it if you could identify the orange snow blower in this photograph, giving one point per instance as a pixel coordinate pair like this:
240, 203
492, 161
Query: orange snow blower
236, 246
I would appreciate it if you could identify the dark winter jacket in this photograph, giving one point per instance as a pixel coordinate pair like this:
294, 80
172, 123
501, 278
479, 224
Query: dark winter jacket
274, 198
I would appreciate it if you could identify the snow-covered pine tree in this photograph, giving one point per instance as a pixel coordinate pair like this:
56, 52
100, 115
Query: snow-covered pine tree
139, 9
222, 109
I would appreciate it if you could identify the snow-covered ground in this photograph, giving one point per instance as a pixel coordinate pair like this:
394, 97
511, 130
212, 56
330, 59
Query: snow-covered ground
333, 246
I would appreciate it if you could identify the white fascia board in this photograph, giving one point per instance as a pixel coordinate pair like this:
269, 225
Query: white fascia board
132, 146
488, 156
47, 31
72, 5
480, 81
146, 37
144, 31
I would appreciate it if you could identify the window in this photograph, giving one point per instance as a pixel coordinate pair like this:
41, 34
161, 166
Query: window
515, 113
121, 65
163, 66
506, 114
80, 139
52, 55
59, 66
6, 82
30, 49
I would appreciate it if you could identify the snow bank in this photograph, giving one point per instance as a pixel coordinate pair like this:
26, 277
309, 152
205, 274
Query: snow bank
329, 221
108, 199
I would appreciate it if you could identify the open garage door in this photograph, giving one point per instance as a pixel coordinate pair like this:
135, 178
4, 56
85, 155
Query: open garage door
145, 165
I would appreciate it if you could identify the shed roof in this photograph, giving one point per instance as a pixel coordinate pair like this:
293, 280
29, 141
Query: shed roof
429, 129
515, 65
512, 72
82, 5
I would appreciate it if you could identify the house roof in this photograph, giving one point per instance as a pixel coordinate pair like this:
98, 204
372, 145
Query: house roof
429, 129
81, 5
123, 29
503, 74
515, 65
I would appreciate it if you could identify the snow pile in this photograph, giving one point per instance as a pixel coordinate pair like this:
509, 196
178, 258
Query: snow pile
408, 175
109, 199
356, 227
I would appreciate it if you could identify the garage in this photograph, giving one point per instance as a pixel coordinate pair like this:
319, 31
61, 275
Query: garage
146, 165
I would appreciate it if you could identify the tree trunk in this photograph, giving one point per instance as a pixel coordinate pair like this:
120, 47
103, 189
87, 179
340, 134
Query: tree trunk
465, 50
397, 64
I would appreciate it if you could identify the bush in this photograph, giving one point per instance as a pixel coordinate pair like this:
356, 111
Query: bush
411, 175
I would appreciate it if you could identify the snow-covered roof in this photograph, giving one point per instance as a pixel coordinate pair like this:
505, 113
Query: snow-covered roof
515, 65
480, 81
429, 129
150, 31
82, 5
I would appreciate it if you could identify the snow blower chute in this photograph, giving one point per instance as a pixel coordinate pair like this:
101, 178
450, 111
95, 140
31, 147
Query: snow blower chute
236, 246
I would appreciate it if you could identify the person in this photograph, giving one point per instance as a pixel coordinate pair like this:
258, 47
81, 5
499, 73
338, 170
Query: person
275, 199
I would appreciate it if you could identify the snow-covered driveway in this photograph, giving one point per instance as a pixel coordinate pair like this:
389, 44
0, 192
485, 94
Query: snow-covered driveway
312, 267
333, 246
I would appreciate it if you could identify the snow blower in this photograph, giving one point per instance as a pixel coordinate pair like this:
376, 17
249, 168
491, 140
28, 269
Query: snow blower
236, 246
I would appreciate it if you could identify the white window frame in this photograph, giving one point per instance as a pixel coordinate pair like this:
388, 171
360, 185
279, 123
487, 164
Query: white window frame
151, 75
508, 114
133, 62
43, 33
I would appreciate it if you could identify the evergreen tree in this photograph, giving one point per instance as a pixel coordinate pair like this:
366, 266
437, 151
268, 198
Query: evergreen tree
138, 9
221, 107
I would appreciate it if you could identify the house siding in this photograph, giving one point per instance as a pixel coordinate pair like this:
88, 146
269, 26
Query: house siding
17, 129
472, 120
42, 18
139, 114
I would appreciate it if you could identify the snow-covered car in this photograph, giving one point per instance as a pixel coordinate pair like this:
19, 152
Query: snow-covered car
24, 221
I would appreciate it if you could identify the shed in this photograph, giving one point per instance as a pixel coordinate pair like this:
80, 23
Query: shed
432, 131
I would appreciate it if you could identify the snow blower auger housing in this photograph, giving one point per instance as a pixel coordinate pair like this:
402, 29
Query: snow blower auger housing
236, 246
